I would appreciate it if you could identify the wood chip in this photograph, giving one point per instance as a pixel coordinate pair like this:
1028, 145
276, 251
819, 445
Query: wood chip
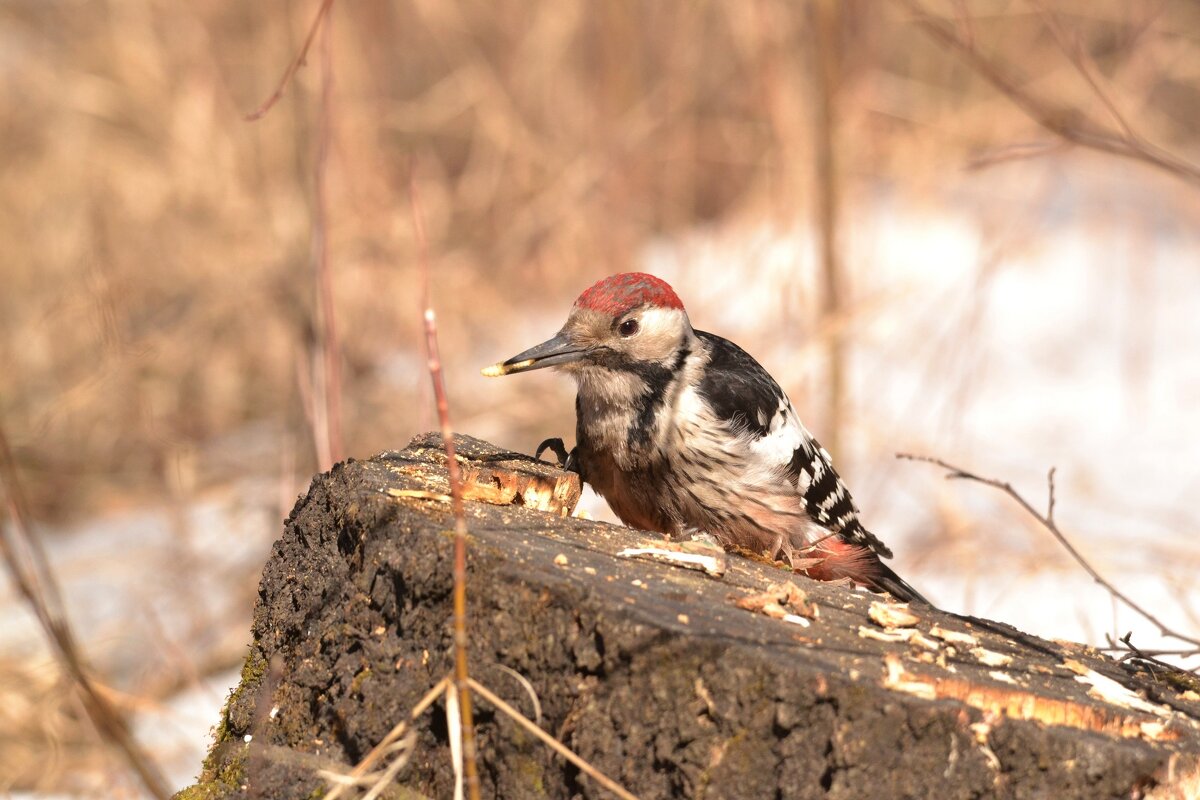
906, 635
785, 601
953, 637
419, 494
497, 484
990, 658
688, 555
892, 615
881, 636
899, 679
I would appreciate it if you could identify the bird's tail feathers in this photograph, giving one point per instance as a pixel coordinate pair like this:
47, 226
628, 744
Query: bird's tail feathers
885, 580
837, 559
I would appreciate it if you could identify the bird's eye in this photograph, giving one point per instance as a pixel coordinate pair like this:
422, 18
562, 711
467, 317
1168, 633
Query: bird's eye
628, 328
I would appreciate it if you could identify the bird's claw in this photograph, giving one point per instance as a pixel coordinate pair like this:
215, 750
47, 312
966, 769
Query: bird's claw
566, 460
689, 534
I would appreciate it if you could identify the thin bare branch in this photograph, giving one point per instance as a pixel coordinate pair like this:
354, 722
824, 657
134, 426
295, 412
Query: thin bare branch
1139, 652
30, 572
318, 372
1130, 651
461, 677
296, 64
1070, 124
555, 745
1047, 522
1017, 151
1073, 49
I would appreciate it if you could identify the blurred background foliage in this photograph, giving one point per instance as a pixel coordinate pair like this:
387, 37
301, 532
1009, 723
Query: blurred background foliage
157, 272
159, 320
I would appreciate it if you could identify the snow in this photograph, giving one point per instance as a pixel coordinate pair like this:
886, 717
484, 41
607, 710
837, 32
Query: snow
151, 594
1062, 337
1004, 358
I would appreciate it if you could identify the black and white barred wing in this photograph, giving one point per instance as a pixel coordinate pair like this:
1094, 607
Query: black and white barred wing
741, 392
825, 497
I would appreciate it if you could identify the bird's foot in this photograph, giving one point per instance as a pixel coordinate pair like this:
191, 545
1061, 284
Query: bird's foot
696, 535
781, 550
566, 460
803, 557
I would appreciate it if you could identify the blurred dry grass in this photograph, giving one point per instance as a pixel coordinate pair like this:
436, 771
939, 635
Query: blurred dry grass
157, 291
157, 305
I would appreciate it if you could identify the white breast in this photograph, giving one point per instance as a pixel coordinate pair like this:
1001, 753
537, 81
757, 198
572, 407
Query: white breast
783, 436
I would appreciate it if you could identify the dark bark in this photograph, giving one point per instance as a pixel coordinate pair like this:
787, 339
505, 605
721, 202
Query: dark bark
647, 670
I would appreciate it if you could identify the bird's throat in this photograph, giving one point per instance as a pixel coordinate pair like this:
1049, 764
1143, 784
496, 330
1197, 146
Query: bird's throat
608, 406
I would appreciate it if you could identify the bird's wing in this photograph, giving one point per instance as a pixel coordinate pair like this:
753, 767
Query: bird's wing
743, 394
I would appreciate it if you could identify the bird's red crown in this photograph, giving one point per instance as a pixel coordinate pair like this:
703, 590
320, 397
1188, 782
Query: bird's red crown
617, 294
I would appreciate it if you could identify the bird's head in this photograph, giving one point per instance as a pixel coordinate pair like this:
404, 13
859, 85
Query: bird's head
624, 322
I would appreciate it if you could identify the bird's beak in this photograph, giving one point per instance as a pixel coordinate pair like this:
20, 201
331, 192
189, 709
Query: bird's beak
550, 353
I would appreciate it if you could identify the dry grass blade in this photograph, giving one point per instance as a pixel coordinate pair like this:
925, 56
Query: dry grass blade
357, 775
31, 574
529, 690
1047, 521
454, 734
555, 745
402, 750
461, 677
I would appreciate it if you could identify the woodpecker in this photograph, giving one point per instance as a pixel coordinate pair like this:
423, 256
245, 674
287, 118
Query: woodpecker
684, 433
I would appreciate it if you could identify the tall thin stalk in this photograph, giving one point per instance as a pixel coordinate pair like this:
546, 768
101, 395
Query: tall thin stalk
825, 75
461, 677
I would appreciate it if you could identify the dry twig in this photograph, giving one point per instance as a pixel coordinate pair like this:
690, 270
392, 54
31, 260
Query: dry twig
1047, 521
323, 394
298, 62
1070, 124
1129, 650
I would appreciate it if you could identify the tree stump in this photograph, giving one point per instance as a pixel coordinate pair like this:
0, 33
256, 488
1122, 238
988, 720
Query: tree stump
678, 672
